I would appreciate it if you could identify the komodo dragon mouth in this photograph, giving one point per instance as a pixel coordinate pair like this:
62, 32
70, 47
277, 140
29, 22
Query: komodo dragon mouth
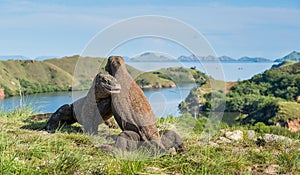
110, 84
112, 89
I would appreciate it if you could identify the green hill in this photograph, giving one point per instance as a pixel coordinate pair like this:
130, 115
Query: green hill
32, 76
74, 72
268, 97
284, 63
45, 76
50, 75
66, 63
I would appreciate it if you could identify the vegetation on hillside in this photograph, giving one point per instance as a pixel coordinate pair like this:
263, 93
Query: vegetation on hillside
171, 77
263, 98
154, 80
67, 73
181, 75
61, 74
32, 77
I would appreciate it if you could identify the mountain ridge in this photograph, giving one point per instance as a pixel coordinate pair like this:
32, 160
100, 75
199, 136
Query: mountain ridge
293, 56
152, 56
157, 56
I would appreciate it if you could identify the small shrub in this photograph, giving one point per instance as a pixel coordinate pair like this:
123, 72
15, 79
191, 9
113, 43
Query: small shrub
260, 127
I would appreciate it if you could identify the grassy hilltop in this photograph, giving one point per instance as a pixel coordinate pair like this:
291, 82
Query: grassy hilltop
48, 75
36, 76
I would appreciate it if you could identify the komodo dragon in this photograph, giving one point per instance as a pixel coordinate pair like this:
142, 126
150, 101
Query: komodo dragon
130, 107
91, 110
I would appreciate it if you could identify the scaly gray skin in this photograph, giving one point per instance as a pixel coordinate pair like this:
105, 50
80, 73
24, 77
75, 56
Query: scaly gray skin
170, 139
129, 140
130, 107
91, 110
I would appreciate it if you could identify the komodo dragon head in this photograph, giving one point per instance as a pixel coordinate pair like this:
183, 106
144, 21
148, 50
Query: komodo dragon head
105, 85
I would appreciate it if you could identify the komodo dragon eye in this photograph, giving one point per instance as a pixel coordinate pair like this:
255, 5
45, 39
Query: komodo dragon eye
104, 80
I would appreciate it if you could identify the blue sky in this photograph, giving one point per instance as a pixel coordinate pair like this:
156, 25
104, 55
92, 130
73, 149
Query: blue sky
269, 28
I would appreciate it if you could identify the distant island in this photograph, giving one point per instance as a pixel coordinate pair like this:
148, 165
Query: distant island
223, 59
151, 56
20, 57
294, 56
160, 57
163, 57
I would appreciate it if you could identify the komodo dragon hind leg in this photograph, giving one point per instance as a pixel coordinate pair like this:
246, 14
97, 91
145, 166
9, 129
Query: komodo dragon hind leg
63, 115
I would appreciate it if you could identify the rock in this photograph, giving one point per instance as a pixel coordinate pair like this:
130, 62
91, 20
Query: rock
146, 86
276, 138
256, 150
172, 151
1, 93
223, 140
172, 85
251, 135
236, 135
272, 169
43, 132
213, 144
223, 131
238, 150
281, 123
157, 86
155, 170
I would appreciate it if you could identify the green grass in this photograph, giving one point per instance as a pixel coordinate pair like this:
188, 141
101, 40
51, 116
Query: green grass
288, 110
24, 149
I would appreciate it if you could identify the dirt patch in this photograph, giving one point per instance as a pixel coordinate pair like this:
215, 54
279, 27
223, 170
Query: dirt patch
229, 85
293, 125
